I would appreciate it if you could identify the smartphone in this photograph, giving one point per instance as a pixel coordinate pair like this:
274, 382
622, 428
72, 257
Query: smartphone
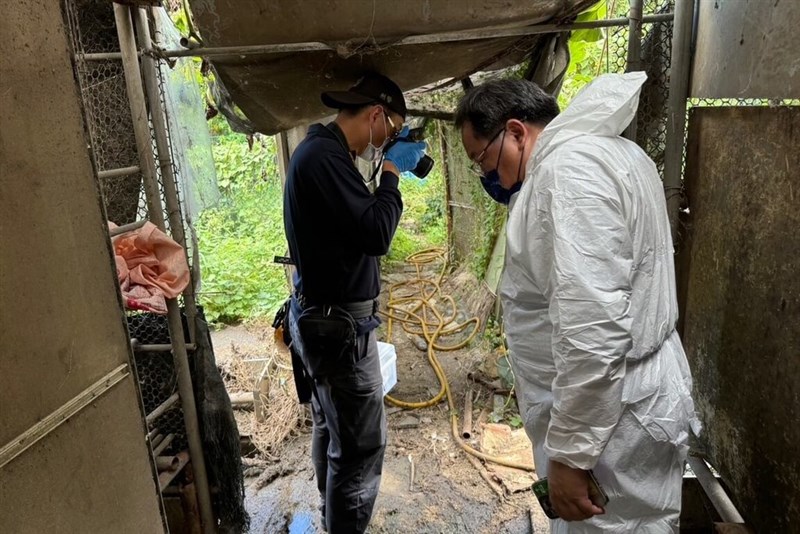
542, 491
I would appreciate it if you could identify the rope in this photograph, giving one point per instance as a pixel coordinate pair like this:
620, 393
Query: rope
418, 314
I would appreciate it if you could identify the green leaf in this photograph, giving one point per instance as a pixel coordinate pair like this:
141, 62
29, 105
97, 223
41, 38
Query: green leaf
596, 12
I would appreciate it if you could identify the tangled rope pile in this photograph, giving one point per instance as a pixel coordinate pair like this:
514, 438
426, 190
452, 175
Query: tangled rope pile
413, 304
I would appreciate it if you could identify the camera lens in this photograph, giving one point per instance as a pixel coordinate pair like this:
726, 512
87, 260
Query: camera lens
424, 167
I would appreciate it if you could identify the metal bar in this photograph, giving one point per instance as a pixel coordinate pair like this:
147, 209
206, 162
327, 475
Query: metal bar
166, 463
312, 46
680, 64
21, 443
160, 129
162, 408
141, 129
634, 62
168, 476
156, 441
116, 173
125, 228
133, 81
716, 493
160, 347
101, 56
442, 115
163, 445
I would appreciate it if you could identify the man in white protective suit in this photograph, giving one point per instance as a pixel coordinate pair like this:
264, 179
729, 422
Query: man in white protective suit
589, 299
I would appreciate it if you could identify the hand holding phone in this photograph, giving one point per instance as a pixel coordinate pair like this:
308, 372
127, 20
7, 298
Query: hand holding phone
541, 490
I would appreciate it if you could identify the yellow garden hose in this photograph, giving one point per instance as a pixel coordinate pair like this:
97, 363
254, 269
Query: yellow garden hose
417, 314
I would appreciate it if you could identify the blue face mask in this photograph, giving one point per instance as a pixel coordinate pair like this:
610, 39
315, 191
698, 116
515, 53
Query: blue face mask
491, 181
491, 184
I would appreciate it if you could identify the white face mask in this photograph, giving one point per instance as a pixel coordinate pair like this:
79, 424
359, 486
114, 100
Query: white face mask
371, 152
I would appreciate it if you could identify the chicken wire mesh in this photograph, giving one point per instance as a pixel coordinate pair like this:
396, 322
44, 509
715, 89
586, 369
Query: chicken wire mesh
656, 52
111, 129
158, 379
105, 100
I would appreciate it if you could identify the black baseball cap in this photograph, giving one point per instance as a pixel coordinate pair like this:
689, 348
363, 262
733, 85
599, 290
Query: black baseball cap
372, 88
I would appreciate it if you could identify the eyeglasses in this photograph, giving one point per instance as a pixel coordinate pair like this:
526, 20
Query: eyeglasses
477, 163
395, 130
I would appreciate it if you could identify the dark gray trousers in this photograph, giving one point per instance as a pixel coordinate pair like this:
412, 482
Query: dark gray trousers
349, 435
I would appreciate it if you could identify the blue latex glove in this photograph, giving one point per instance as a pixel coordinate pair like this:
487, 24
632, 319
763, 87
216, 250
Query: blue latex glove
404, 154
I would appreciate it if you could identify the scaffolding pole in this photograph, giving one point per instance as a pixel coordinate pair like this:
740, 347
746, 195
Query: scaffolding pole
136, 97
634, 60
160, 129
676, 110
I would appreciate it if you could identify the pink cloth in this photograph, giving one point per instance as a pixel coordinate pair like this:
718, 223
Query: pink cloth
151, 267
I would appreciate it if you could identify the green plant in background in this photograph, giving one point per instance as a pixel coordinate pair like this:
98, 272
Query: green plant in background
240, 237
423, 224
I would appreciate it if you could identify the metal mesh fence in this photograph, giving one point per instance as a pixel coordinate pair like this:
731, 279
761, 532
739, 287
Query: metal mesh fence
656, 51
158, 379
105, 99
111, 129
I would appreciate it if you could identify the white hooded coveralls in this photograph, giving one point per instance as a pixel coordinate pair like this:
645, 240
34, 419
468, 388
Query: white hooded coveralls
590, 308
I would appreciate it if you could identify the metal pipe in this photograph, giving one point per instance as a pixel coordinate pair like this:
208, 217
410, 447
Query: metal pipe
168, 476
442, 115
716, 493
116, 173
680, 63
162, 408
133, 79
141, 129
156, 440
160, 347
634, 62
311, 46
160, 129
103, 56
466, 429
163, 445
166, 463
125, 228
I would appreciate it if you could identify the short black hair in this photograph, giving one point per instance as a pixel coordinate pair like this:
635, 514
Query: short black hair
352, 111
488, 106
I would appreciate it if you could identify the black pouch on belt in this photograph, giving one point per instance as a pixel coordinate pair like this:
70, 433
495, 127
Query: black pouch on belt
329, 338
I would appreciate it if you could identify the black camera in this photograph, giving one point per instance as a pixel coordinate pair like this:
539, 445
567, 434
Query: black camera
415, 135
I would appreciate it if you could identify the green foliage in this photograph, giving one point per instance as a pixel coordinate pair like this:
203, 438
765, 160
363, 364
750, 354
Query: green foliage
515, 421
491, 215
589, 49
240, 237
423, 224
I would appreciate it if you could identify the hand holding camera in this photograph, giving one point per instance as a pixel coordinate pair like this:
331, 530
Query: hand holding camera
407, 152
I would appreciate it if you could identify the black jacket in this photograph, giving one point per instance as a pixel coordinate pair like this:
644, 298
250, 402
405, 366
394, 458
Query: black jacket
336, 228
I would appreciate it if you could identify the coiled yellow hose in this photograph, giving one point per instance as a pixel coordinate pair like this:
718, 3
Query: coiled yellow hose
417, 314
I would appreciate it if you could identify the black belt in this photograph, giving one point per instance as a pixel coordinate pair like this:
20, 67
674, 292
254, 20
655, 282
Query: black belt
359, 310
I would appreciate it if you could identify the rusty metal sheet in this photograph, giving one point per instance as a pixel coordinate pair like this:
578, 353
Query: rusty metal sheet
280, 91
746, 49
740, 298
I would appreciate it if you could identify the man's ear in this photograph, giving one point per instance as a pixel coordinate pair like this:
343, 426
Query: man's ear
518, 132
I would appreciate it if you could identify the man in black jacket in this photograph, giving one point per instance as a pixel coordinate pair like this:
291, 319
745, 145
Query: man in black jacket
337, 229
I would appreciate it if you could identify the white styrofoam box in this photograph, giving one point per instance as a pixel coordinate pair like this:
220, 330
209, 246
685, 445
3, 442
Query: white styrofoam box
388, 358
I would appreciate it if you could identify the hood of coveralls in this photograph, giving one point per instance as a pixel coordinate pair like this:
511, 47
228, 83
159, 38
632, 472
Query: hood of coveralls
605, 107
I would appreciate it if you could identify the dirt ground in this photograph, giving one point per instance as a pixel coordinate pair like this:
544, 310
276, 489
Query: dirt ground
448, 494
